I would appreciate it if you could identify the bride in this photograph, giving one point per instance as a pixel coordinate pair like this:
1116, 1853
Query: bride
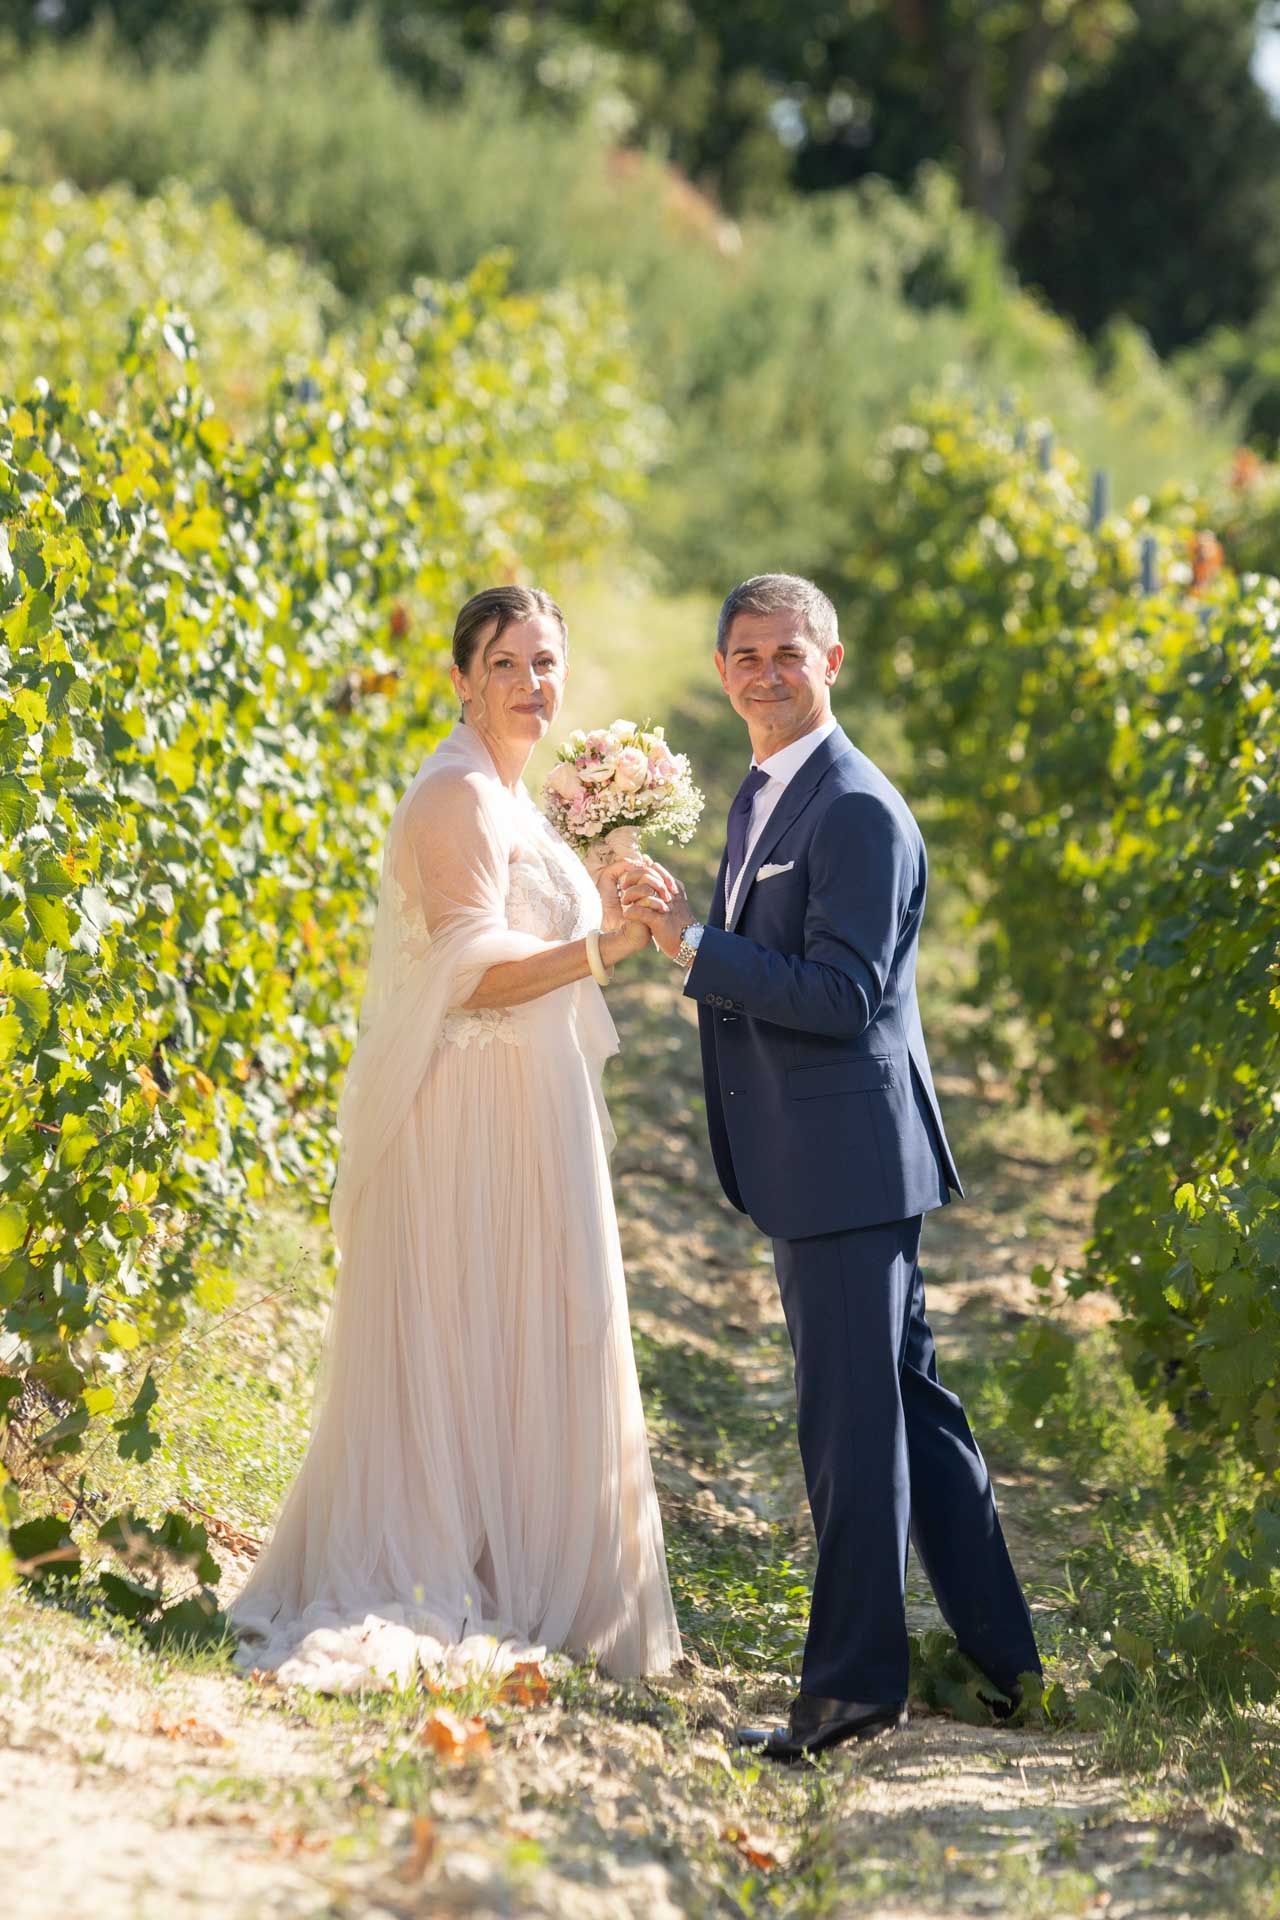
476, 1486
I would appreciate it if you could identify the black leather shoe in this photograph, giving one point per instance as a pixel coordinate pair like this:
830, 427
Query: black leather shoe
815, 1723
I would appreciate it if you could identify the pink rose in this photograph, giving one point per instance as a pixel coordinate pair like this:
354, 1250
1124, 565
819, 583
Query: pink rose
632, 770
661, 764
564, 782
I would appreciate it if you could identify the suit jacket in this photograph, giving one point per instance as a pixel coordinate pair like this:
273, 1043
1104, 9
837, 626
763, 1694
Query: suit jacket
820, 1100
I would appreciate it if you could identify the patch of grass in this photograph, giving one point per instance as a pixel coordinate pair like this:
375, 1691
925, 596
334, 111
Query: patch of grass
741, 1587
1173, 1727
237, 1393
702, 1402
1148, 1563
1081, 1412
743, 1602
1139, 1568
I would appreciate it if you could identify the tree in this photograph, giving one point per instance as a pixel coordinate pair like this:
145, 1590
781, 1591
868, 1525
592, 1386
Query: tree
1153, 192
998, 68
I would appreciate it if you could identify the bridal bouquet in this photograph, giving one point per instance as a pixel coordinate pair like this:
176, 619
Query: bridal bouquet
615, 784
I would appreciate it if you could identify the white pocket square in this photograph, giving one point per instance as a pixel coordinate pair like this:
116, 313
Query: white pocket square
767, 873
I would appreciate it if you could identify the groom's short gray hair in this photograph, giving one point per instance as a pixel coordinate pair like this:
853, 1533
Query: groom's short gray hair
781, 593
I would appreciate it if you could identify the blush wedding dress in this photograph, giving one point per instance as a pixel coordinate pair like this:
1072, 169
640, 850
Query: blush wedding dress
476, 1487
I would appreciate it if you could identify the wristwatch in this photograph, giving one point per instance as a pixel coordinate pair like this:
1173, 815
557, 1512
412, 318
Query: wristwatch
686, 952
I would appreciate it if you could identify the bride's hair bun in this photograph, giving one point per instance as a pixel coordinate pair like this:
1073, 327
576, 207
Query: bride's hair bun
505, 605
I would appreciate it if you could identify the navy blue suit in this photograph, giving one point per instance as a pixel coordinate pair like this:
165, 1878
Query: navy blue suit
825, 1129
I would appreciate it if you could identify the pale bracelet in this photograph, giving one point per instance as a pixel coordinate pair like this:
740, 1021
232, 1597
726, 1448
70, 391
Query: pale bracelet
599, 971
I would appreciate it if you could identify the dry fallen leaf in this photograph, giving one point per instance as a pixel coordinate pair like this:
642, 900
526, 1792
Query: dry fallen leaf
297, 1840
420, 1855
222, 1531
754, 1848
189, 1729
451, 1738
525, 1686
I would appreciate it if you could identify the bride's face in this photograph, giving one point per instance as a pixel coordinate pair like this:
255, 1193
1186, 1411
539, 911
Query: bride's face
515, 683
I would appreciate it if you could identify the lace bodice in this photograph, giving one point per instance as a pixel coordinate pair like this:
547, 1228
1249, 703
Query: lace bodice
551, 895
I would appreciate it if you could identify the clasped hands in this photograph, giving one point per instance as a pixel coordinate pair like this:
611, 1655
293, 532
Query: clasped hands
641, 895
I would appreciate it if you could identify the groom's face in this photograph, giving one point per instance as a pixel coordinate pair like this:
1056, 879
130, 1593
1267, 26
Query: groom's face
776, 677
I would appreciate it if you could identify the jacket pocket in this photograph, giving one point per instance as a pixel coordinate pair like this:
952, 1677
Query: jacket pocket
840, 1076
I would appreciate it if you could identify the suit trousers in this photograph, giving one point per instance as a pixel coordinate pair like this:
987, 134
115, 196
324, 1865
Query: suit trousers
888, 1454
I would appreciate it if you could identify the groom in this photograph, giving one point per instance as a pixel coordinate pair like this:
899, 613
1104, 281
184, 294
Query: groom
825, 1129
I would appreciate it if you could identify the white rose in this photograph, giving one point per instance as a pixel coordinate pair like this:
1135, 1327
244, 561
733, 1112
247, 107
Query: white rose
600, 774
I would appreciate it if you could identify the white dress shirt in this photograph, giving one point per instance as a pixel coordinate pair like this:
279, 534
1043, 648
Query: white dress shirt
782, 768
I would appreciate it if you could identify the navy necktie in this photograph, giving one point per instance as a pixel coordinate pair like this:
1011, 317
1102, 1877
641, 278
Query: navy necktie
740, 825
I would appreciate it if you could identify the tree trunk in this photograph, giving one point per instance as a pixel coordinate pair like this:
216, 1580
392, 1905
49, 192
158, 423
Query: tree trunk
1031, 55
993, 152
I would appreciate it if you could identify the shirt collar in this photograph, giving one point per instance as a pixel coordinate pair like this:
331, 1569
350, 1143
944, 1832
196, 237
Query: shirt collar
786, 763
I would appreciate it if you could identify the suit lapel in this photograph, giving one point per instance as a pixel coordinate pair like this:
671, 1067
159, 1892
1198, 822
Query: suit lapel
799, 792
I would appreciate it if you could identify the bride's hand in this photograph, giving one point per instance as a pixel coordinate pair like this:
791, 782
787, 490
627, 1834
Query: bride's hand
630, 934
610, 881
620, 942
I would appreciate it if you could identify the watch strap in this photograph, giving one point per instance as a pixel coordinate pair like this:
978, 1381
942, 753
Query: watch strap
687, 952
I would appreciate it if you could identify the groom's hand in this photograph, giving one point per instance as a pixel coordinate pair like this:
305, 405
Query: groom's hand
665, 921
610, 881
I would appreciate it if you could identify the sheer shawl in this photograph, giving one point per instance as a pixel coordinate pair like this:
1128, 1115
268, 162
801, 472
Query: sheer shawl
441, 922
